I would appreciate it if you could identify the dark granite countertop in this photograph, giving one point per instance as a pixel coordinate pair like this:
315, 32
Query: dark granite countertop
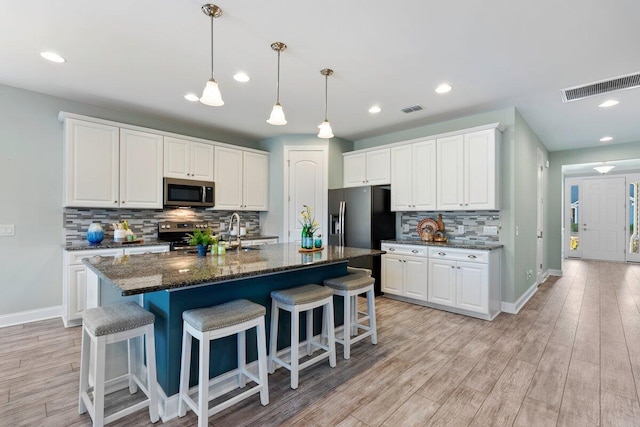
138, 274
110, 244
248, 237
452, 245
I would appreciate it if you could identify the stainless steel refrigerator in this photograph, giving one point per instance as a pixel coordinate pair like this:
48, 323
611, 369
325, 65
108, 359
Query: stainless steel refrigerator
361, 217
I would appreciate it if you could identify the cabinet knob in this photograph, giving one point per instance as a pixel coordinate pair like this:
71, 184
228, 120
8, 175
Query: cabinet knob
123, 202
460, 204
115, 201
399, 260
472, 256
453, 266
392, 249
415, 251
441, 253
458, 268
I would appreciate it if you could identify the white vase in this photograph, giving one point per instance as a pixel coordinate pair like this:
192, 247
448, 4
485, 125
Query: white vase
119, 235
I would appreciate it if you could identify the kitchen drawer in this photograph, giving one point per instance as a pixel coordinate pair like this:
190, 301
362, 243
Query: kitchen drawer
146, 250
76, 257
459, 255
413, 250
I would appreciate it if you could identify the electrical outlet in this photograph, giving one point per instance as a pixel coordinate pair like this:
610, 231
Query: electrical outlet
490, 230
529, 274
246, 224
7, 230
405, 227
461, 229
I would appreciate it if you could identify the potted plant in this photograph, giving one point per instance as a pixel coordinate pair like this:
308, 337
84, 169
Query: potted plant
201, 239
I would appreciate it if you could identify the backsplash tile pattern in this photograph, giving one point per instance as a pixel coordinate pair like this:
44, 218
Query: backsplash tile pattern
144, 222
473, 221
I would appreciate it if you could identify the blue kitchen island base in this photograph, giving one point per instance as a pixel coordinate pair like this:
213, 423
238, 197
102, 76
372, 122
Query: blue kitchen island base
168, 307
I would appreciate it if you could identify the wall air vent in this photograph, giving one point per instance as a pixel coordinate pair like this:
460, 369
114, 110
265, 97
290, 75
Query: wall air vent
615, 84
412, 109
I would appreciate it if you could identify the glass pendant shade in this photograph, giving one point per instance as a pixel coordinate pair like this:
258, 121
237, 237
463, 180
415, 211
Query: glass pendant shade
277, 116
211, 94
325, 130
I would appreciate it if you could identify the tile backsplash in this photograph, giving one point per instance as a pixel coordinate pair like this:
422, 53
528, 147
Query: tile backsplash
144, 222
473, 221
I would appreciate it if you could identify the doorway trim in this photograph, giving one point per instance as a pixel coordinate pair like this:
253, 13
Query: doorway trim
325, 198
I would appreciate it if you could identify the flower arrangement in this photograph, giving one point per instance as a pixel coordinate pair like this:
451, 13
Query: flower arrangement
307, 220
309, 226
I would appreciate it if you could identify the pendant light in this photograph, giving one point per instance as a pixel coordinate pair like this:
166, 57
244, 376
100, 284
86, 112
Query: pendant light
277, 114
604, 168
211, 94
325, 127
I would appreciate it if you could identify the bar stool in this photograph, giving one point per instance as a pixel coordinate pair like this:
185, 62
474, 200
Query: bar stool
107, 325
357, 282
206, 325
297, 300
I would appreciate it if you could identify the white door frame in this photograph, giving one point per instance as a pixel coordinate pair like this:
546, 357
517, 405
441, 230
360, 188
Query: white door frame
321, 214
540, 219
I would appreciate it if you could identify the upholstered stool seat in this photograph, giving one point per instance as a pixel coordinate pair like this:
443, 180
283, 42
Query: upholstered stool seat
298, 300
210, 323
356, 282
107, 325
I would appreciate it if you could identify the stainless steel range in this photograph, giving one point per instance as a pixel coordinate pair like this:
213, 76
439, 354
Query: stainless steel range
175, 233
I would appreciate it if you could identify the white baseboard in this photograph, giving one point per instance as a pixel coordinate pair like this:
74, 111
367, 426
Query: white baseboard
514, 308
30, 316
553, 272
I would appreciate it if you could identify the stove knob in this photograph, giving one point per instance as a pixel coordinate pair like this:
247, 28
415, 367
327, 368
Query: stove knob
168, 226
163, 226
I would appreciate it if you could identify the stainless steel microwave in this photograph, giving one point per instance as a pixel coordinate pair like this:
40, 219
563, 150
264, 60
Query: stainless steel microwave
188, 193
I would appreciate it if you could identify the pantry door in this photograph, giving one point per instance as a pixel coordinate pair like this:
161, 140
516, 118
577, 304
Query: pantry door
306, 183
602, 226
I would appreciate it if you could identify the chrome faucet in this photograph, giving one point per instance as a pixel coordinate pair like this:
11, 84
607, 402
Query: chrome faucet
237, 216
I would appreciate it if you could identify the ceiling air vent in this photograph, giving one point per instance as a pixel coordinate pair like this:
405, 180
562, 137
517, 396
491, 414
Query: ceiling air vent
615, 84
412, 109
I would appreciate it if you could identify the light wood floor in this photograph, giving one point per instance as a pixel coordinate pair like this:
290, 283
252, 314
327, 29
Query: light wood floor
570, 357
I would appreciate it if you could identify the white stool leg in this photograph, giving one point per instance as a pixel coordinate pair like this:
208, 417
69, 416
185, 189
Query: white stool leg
328, 312
185, 369
152, 385
131, 365
262, 363
295, 335
371, 312
354, 314
273, 336
203, 381
98, 388
309, 332
85, 351
242, 359
347, 327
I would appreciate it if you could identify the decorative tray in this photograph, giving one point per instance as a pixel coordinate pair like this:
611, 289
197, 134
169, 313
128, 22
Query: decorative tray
301, 250
128, 242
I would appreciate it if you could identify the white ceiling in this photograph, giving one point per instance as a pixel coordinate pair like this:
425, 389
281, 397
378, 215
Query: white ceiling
145, 56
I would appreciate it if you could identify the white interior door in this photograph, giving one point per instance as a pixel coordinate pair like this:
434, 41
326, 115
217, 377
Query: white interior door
540, 219
603, 230
307, 182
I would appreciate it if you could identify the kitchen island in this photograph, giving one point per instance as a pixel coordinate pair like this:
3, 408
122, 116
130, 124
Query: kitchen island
167, 284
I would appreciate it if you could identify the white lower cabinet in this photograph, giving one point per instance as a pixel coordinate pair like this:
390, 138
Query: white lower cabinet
460, 280
404, 271
74, 278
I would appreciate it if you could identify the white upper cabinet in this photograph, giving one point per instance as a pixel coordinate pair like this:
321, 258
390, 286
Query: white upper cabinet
140, 169
368, 168
242, 179
413, 176
91, 170
110, 167
468, 168
188, 159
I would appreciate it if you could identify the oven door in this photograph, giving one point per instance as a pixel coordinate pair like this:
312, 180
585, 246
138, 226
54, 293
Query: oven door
187, 193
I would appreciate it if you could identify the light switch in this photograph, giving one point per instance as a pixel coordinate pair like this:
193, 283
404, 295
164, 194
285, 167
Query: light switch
405, 227
461, 229
490, 230
7, 230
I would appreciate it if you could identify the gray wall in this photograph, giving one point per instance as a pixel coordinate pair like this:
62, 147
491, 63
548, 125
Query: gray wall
31, 190
558, 159
272, 221
518, 174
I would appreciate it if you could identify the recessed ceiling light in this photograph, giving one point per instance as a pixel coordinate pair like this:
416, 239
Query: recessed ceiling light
606, 139
241, 77
53, 57
444, 88
191, 97
375, 109
609, 103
